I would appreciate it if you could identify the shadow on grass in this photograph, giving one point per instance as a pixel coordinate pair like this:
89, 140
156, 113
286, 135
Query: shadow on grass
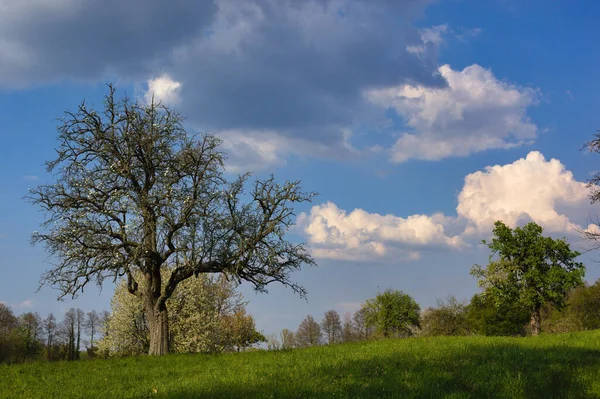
471, 371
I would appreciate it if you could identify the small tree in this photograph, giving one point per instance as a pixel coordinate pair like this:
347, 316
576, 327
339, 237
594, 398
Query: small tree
393, 313
348, 330
364, 330
489, 318
273, 343
92, 324
80, 322
532, 269
49, 328
240, 330
449, 318
69, 334
30, 332
288, 339
308, 333
332, 326
581, 313
8, 334
104, 330
136, 193
584, 305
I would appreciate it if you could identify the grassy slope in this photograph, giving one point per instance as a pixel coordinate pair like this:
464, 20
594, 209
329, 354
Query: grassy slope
548, 366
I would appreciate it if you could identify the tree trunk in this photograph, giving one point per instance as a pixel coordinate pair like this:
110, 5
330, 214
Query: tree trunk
158, 324
78, 344
535, 322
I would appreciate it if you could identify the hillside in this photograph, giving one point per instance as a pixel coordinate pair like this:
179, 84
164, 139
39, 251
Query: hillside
548, 366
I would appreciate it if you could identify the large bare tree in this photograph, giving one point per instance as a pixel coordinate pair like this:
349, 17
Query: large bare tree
134, 191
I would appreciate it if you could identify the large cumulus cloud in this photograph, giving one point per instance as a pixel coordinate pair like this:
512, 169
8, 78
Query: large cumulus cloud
529, 189
475, 112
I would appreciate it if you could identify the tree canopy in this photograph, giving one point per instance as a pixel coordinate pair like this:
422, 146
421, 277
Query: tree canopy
529, 269
393, 313
135, 192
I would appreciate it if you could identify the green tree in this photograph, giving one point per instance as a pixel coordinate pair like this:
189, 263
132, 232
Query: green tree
487, 317
530, 269
8, 334
30, 335
584, 305
582, 311
448, 318
136, 192
240, 330
393, 313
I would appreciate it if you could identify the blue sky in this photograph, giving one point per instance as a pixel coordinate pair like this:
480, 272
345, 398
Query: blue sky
418, 122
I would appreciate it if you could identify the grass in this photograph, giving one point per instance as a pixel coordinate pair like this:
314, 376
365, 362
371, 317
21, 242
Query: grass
548, 366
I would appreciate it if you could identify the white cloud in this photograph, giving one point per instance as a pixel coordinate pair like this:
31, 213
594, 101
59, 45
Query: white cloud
163, 89
530, 188
26, 304
31, 178
431, 39
360, 235
251, 150
475, 112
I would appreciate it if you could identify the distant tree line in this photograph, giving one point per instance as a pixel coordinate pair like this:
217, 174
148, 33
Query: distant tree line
451, 317
390, 314
532, 283
31, 337
208, 316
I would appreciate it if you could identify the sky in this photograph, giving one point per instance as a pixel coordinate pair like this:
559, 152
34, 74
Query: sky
418, 122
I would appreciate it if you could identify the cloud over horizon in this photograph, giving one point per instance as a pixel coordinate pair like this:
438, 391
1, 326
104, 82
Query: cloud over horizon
529, 189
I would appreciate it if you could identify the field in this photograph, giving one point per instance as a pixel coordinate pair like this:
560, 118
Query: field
548, 366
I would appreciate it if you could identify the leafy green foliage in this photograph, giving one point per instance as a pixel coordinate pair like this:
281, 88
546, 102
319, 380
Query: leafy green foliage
487, 318
529, 269
582, 311
448, 318
9, 341
393, 313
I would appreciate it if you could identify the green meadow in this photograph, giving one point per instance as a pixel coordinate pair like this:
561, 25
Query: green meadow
547, 366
